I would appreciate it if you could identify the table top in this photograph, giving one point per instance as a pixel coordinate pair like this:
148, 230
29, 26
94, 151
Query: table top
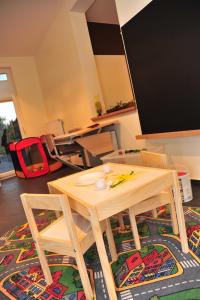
89, 196
83, 131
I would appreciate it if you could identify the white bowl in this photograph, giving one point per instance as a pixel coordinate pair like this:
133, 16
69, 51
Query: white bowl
89, 178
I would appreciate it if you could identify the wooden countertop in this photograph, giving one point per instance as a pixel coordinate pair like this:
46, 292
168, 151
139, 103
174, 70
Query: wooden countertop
84, 131
115, 113
166, 135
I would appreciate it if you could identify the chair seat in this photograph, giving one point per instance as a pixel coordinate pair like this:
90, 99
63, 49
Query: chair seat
58, 229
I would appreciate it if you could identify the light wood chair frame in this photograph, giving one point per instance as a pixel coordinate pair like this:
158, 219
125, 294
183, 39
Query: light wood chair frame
155, 160
74, 247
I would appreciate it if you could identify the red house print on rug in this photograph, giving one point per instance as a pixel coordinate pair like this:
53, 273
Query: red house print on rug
129, 270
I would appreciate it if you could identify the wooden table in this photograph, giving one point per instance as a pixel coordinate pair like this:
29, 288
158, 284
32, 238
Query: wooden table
60, 139
99, 205
93, 141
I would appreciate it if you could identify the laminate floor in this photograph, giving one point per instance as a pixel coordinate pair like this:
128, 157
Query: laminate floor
11, 210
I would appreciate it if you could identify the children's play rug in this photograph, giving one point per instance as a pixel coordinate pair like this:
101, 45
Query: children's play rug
159, 271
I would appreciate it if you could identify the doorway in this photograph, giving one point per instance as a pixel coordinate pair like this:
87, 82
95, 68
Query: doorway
9, 132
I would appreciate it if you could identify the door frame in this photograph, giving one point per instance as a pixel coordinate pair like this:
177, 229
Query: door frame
12, 98
10, 173
17, 111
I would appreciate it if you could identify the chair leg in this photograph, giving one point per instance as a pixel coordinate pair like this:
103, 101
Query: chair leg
154, 213
134, 228
174, 218
180, 214
121, 221
173, 214
84, 275
111, 241
83, 158
44, 264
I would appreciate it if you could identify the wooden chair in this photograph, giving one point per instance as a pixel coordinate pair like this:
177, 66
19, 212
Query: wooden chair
157, 160
96, 145
64, 151
154, 160
69, 235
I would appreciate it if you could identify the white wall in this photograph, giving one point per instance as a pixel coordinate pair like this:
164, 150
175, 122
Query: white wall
102, 11
69, 80
127, 9
114, 79
86, 58
183, 151
67, 70
127, 129
6, 87
60, 74
27, 96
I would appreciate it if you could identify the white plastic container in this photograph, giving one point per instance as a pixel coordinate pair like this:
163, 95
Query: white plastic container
185, 185
184, 181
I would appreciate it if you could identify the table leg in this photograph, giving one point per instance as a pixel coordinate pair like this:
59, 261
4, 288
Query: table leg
180, 214
103, 255
173, 213
121, 221
53, 191
154, 213
136, 236
111, 241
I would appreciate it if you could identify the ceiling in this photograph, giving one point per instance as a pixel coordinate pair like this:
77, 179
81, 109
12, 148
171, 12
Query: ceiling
23, 24
103, 11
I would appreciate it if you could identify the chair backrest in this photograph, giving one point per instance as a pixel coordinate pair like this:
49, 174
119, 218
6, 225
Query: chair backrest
48, 202
97, 143
48, 139
55, 127
154, 160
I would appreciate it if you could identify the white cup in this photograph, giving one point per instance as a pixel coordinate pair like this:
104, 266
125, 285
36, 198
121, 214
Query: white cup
100, 184
106, 169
